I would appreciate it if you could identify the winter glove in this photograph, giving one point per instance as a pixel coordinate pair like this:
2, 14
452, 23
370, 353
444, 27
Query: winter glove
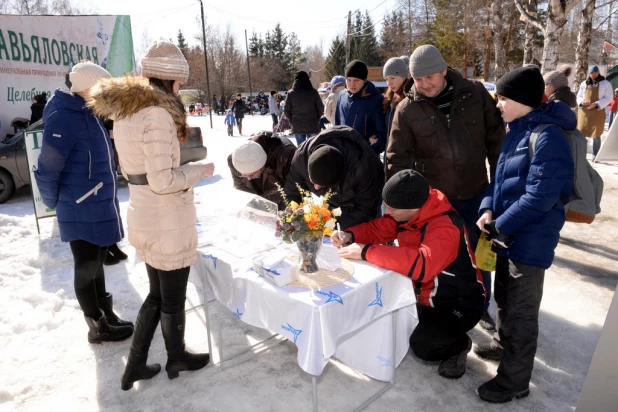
498, 239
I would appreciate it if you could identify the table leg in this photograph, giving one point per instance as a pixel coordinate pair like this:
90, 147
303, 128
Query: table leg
315, 393
394, 365
220, 337
208, 324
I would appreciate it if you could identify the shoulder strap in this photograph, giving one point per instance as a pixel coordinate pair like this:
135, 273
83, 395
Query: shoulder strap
535, 135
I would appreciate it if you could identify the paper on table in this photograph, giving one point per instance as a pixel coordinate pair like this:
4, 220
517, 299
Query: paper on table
272, 259
328, 258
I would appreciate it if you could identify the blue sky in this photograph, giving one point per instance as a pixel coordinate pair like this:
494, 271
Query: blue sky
313, 21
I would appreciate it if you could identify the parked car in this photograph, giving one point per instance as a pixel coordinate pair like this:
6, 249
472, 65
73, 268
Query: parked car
14, 171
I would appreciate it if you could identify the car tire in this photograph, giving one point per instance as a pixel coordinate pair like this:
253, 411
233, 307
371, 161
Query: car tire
7, 186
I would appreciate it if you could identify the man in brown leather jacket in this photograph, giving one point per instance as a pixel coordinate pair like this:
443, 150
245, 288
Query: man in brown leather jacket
447, 128
261, 162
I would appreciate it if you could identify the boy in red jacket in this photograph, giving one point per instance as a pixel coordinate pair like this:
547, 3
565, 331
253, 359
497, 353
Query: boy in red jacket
613, 108
434, 252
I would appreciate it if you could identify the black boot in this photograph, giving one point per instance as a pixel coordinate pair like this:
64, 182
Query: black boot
117, 252
487, 322
106, 303
145, 326
488, 351
110, 259
455, 366
101, 331
491, 391
178, 359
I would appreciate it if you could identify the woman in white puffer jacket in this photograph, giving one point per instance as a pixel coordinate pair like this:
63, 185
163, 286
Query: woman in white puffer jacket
150, 124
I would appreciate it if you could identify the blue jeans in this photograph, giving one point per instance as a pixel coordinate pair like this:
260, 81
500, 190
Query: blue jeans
302, 137
469, 211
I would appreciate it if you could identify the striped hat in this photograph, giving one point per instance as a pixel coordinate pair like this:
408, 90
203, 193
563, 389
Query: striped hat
164, 60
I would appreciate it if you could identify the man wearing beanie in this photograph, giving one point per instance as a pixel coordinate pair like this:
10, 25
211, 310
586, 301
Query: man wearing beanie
338, 159
261, 163
595, 93
522, 213
360, 107
304, 107
433, 252
447, 129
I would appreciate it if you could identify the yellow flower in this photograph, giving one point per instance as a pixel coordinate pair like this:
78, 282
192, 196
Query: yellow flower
328, 232
293, 205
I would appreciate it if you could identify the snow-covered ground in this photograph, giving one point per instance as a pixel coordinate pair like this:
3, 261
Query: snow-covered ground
47, 364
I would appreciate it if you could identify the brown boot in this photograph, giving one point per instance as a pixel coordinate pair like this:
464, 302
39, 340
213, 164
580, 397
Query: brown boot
240, 129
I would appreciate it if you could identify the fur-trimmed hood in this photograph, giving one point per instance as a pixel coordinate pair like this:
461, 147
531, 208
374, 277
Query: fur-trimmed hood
117, 98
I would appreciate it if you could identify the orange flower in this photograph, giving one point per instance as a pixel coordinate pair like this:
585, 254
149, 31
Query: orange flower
312, 224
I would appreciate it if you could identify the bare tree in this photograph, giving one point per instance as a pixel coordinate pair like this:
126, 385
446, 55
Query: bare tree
499, 38
557, 14
314, 63
531, 31
583, 40
139, 49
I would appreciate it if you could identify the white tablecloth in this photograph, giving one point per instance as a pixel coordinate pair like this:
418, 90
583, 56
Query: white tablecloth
351, 321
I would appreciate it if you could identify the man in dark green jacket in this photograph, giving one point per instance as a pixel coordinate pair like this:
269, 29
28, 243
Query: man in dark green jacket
447, 128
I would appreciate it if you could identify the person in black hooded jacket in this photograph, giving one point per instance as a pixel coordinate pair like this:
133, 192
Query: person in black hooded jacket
304, 107
39, 102
339, 159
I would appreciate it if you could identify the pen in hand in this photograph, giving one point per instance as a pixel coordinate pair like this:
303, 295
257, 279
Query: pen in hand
339, 230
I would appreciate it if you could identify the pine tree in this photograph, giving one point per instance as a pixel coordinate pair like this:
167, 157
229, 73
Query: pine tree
295, 53
387, 36
182, 44
357, 36
279, 43
254, 45
369, 45
268, 45
336, 58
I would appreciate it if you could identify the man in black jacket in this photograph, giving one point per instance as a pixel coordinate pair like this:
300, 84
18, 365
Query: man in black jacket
304, 107
261, 162
339, 159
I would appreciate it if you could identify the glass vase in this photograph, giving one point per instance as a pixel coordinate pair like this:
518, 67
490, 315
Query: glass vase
309, 249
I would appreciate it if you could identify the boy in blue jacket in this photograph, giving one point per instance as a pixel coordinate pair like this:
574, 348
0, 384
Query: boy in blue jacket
230, 122
360, 107
523, 213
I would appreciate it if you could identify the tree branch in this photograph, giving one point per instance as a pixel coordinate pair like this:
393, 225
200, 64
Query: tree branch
529, 18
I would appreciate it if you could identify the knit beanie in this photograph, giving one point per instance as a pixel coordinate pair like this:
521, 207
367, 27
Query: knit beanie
301, 75
357, 69
336, 80
406, 60
164, 60
407, 189
85, 75
593, 69
395, 66
426, 60
524, 85
558, 78
326, 166
249, 157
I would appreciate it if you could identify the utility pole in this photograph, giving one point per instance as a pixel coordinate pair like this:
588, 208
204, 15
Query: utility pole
249, 71
206, 61
348, 39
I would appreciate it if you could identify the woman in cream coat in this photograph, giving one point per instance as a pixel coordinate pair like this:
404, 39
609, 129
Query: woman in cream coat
149, 125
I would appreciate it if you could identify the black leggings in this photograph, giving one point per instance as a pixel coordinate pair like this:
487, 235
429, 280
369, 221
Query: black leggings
89, 278
168, 288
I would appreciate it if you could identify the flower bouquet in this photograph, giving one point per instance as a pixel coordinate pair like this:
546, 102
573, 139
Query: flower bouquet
306, 223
